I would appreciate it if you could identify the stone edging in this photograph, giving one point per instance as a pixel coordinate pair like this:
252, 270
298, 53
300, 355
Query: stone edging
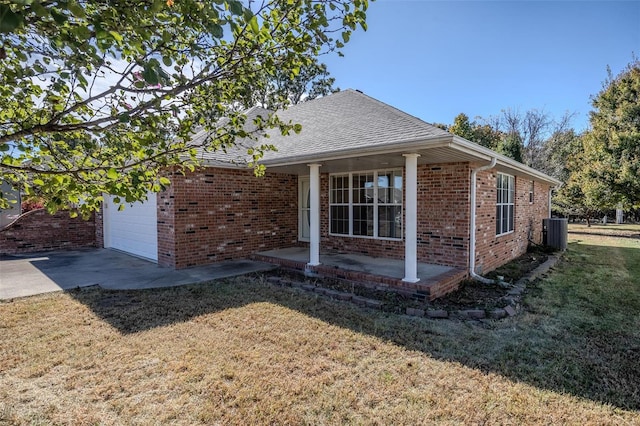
334, 294
513, 297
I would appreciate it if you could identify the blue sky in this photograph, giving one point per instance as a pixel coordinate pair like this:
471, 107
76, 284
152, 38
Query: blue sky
435, 59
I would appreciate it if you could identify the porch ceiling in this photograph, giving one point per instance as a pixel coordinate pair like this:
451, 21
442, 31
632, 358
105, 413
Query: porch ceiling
431, 152
382, 160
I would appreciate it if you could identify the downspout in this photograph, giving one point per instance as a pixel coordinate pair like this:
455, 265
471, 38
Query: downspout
472, 226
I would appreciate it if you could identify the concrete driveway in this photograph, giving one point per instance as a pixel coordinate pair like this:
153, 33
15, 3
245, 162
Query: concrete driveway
30, 274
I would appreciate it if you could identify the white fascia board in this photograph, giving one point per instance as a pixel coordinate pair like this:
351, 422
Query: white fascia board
503, 160
395, 147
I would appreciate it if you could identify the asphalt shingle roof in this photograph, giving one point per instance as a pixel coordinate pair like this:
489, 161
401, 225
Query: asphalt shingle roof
345, 120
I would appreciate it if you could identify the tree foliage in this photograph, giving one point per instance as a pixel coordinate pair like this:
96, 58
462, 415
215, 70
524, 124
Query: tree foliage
481, 134
273, 91
603, 166
531, 130
511, 146
462, 127
97, 96
558, 151
612, 147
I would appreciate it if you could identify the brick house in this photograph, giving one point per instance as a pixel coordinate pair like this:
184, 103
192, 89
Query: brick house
362, 177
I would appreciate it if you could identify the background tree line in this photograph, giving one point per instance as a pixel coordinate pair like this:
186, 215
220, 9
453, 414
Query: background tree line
599, 168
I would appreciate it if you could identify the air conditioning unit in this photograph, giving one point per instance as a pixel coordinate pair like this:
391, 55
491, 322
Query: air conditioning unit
554, 232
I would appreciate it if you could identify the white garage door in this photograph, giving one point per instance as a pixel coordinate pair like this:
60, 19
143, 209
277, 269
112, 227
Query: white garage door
134, 229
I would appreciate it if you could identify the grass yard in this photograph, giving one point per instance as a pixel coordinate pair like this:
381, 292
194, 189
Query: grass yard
243, 352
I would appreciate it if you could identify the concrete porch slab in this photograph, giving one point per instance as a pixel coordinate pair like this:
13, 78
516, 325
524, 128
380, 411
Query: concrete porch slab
393, 268
31, 274
435, 280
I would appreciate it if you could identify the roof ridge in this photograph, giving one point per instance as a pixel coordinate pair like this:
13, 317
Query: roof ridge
395, 110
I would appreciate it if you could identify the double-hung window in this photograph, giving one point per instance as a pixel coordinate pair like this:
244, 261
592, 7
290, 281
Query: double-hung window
366, 204
505, 204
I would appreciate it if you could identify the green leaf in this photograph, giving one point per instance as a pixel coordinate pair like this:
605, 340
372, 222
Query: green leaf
254, 25
216, 31
150, 75
39, 10
77, 10
38, 182
58, 16
112, 174
167, 61
117, 37
124, 117
236, 7
9, 20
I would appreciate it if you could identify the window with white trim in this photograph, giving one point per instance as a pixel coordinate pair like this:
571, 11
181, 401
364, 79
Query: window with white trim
366, 204
505, 204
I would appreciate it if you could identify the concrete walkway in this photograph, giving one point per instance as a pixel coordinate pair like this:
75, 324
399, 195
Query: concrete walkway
31, 274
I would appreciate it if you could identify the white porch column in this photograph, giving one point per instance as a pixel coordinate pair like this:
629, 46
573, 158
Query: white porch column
411, 217
314, 216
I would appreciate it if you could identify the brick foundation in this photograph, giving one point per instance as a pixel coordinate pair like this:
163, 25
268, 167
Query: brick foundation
37, 231
422, 290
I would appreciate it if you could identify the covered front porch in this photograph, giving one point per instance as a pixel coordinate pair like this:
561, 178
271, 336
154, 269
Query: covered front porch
383, 273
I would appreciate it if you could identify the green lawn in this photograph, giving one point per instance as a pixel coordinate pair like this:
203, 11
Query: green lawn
244, 352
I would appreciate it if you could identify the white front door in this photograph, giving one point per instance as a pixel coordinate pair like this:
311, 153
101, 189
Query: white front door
304, 203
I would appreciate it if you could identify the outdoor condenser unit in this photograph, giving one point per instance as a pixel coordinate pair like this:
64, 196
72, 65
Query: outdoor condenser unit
554, 232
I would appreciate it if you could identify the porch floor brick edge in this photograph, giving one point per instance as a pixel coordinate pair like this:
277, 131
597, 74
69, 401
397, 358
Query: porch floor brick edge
431, 289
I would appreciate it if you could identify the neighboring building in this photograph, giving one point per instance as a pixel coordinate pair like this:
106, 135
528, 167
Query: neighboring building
13, 196
36, 230
362, 177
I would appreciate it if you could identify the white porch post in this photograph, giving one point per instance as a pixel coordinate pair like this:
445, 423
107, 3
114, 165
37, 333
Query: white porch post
314, 217
411, 217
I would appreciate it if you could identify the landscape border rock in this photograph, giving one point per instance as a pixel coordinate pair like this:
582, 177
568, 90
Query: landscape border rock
513, 297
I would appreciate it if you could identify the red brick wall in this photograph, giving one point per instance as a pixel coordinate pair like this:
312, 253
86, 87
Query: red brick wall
99, 229
39, 231
443, 214
493, 251
221, 214
443, 219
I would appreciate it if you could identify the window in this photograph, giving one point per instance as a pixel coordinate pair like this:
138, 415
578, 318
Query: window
366, 204
505, 204
339, 204
531, 193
